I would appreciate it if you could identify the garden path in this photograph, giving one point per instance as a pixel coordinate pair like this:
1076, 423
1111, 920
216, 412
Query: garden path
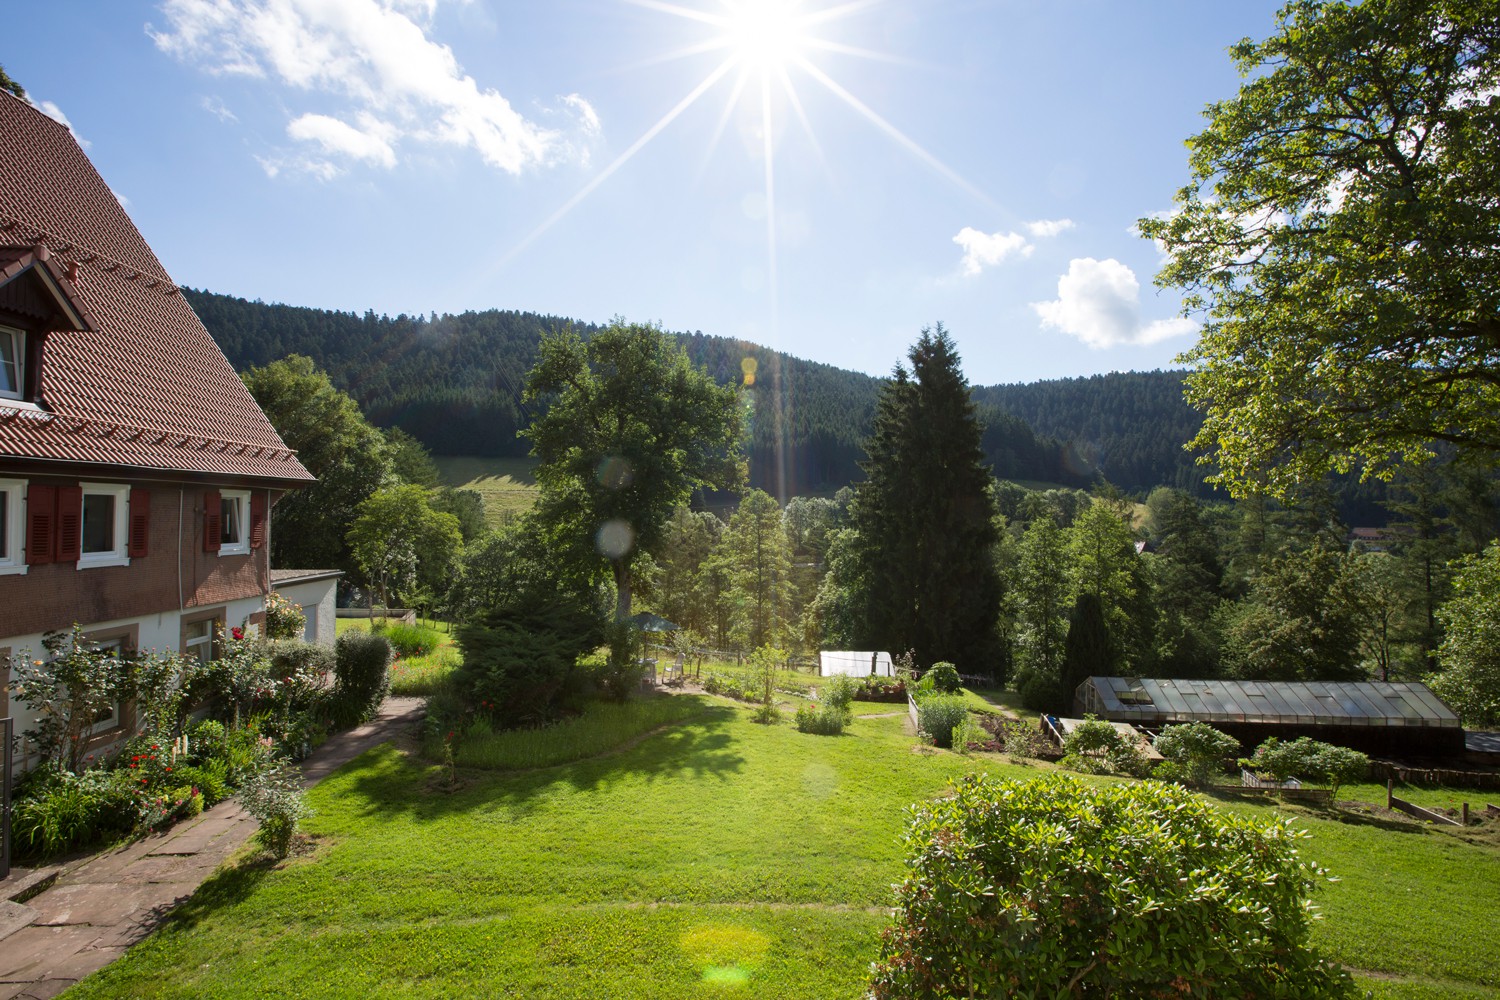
105, 903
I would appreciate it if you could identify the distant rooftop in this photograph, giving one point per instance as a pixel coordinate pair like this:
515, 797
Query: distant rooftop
1312, 703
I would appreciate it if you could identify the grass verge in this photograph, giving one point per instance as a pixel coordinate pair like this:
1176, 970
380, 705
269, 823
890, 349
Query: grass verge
600, 729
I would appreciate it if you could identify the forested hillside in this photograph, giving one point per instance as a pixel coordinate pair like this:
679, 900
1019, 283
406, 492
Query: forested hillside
454, 382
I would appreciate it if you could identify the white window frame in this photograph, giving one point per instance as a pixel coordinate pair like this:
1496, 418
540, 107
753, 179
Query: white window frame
13, 554
18, 344
116, 556
241, 500
116, 718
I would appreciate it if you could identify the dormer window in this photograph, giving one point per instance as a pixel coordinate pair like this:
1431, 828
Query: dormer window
12, 363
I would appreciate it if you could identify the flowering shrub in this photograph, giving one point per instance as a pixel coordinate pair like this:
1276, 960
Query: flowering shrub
77, 683
1310, 760
284, 620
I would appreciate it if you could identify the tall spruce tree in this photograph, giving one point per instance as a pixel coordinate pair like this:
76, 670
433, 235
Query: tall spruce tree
923, 576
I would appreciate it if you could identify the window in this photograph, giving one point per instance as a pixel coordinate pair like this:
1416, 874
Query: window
106, 511
121, 714
12, 526
198, 635
234, 526
12, 363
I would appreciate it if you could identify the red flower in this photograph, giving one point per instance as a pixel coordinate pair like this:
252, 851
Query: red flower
237, 632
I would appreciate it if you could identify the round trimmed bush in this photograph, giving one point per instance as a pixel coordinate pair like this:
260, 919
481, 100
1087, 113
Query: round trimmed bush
1056, 887
1197, 750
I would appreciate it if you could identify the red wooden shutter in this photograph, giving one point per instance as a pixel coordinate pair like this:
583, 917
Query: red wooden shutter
257, 519
140, 524
41, 524
69, 523
213, 521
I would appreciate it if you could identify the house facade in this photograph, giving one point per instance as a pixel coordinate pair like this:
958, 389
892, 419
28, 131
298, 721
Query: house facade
137, 474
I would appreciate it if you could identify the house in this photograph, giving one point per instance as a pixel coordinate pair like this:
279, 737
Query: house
137, 474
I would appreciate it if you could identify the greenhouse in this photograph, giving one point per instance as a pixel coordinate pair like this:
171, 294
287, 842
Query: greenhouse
1380, 716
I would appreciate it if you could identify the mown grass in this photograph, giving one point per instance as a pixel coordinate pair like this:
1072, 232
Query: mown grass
507, 485
601, 728
715, 858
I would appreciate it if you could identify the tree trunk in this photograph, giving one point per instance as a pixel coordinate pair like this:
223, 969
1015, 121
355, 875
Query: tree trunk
621, 570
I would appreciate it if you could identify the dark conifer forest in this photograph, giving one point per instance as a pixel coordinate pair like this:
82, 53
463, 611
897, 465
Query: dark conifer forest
454, 382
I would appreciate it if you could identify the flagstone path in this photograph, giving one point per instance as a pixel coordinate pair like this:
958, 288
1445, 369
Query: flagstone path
96, 907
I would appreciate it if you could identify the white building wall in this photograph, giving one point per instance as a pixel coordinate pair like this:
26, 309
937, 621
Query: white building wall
316, 598
158, 633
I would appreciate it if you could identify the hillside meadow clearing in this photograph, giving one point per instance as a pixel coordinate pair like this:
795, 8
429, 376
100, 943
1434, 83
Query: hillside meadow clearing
713, 857
507, 485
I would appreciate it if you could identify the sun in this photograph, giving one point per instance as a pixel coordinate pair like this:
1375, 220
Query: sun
766, 35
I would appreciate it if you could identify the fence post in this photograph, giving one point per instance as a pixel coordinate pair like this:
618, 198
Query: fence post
7, 735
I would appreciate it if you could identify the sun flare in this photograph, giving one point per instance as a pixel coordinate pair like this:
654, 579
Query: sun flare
766, 35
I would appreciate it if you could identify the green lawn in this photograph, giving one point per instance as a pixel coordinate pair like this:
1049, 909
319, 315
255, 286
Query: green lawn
508, 485
713, 858
416, 676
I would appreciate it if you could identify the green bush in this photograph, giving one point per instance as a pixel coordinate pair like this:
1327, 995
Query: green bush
944, 677
411, 640
969, 731
1197, 751
57, 811
274, 797
1308, 759
520, 662
1022, 739
825, 719
1096, 747
362, 676
1058, 888
938, 715
839, 691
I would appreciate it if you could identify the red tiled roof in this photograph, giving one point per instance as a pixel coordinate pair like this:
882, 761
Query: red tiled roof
147, 387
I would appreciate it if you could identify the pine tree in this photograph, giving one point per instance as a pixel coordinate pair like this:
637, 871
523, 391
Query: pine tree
924, 574
757, 560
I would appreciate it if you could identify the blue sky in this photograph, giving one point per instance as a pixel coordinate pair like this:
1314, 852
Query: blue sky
978, 163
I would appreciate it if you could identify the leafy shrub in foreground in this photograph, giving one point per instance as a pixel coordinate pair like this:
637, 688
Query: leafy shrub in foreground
1196, 751
938, 715
1156, 894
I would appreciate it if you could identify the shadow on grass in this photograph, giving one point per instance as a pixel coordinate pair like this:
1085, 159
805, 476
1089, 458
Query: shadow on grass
1324, 811
697, 747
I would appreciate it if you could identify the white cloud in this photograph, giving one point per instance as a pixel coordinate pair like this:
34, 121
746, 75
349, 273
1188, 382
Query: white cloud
1048, 227
338, 137
588, 118
983, 250
1098, 301
371, 54
56, 114
218, 109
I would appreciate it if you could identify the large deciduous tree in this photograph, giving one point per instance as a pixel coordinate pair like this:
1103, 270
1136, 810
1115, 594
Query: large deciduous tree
630, 431
336, 444
925, 518
1339, 233
1470, 653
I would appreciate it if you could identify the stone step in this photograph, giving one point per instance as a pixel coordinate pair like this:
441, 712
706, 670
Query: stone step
14, 917
23, 883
